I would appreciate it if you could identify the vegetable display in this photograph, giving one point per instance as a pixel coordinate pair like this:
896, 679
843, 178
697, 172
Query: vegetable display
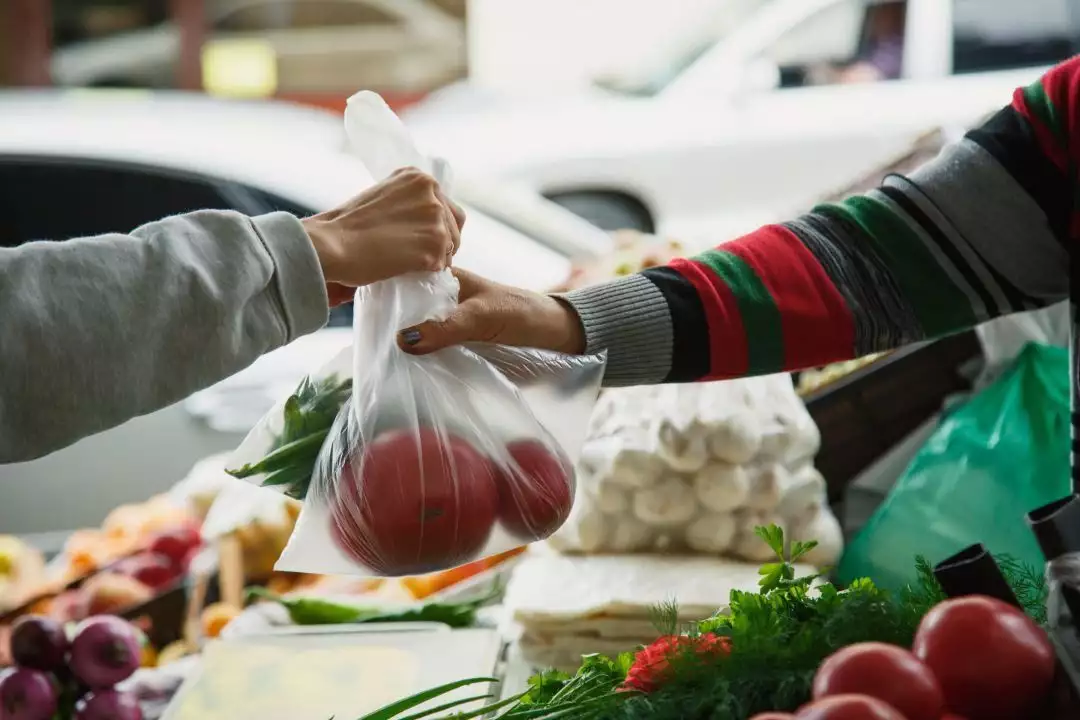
60, 678
1014, 665
802, 648
315, 611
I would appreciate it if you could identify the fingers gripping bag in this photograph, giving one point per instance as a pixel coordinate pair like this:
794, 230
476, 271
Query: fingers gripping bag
412, 464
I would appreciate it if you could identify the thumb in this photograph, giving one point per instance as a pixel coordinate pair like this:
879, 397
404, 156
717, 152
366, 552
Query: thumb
432, 335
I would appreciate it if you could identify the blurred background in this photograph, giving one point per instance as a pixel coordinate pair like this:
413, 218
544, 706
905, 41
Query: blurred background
588, 137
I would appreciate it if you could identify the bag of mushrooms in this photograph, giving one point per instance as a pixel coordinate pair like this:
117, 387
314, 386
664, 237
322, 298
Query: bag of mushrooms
692, 469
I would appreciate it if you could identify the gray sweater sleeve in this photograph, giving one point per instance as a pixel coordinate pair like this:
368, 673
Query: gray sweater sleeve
96, 331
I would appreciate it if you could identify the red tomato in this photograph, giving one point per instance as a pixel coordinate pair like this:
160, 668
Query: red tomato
417, 505
153, 570
175, 544
536, 502
950, 716
993, 662
848, 707
887, 672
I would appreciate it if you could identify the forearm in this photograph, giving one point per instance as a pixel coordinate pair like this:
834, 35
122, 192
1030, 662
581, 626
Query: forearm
96, 331
964, 239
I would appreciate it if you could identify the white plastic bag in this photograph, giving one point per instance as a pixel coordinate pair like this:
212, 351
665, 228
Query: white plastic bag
694, 468
409, 464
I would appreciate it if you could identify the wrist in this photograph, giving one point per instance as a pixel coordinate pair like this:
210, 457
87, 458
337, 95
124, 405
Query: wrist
568, 332
324, 241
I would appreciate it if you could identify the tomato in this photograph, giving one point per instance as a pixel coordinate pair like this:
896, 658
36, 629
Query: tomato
887, 672
848, 707
992, 661
175, 544
413, 503
151, 569
536, 501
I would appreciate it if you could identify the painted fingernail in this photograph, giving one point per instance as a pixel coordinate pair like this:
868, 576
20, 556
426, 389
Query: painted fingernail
410, 337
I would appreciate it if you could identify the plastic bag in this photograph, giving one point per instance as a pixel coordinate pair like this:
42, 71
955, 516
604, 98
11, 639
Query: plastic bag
409, 465
694, 468
1003, 338
1001, 454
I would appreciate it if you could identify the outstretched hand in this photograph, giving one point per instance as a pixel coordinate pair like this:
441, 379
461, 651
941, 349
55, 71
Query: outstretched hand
494, 313
402, 224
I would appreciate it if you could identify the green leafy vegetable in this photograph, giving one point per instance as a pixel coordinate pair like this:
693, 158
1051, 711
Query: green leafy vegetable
779, 635
314, 611
309, 414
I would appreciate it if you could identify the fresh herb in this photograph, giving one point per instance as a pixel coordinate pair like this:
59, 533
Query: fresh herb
309, 414
314, 611
778, 638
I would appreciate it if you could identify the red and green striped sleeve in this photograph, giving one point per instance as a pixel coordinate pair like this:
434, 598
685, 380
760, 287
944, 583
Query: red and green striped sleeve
985, 229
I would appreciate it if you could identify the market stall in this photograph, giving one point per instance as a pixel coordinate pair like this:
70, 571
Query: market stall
483, 532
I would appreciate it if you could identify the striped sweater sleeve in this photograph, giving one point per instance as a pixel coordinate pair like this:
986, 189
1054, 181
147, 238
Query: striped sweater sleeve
983, 230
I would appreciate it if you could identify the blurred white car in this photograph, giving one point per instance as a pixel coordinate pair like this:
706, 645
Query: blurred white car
317, 46
76, 163
736, 134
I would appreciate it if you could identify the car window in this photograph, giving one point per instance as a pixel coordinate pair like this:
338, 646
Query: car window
304, 15
848, 41
1009, 34
59, 199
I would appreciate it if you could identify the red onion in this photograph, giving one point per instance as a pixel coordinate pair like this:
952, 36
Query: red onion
109, 705
105, 651
27, 694
39, 643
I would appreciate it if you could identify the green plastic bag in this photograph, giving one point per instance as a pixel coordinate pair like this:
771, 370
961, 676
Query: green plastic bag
990, 461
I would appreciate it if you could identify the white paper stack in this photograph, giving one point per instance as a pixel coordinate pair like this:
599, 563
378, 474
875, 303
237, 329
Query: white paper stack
567, 606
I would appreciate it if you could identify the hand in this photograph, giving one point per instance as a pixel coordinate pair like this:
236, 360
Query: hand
403, 224
494, 313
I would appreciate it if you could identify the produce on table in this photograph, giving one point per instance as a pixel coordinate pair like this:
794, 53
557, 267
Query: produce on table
415, 501
215, 617
421, 586
778, 638
109, 593
126, 530
810, 381
536, 500
175, 545
104, 651
315, 611
39, 643
22, 570
27, 694
108, 705
152, 569
992, 660
849, 707
60, 680
887, 672
632, 252
678, 468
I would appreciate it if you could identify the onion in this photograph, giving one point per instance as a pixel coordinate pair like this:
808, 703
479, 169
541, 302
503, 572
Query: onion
109, 705
105, 651
39, 643
27, 694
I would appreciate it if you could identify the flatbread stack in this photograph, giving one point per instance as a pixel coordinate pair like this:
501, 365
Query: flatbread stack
563, 607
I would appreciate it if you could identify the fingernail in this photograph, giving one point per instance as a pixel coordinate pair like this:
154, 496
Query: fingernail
410, 337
